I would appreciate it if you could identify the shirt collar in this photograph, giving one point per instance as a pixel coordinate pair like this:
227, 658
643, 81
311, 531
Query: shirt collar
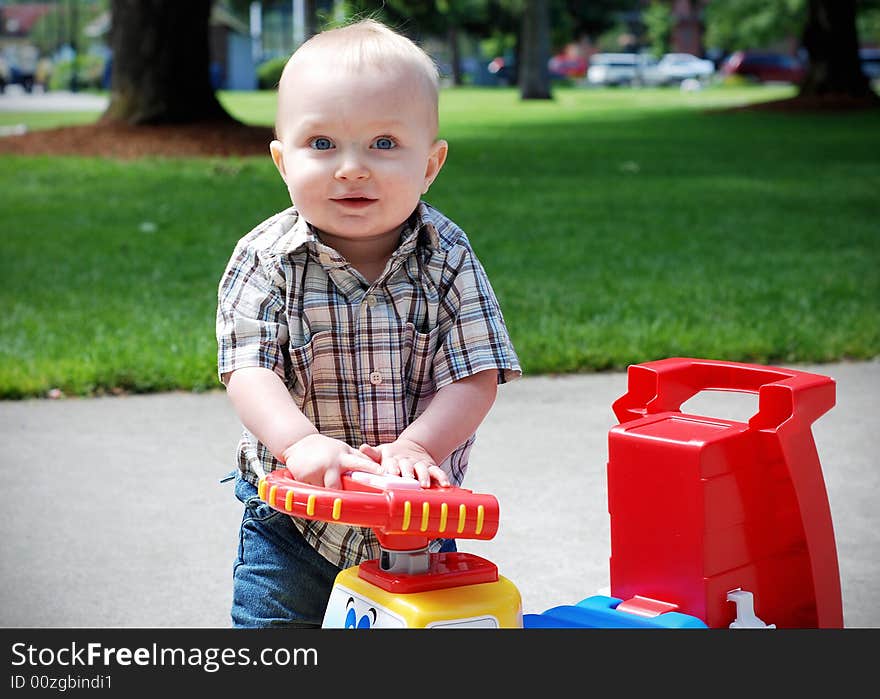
418, 231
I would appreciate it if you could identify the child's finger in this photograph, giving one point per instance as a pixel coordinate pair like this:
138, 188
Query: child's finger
391, 466
422, 473
439, 475
358, 462
332, 478
406, 468
370, 451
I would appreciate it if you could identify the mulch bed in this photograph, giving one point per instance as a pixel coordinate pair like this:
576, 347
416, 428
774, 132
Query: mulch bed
122, 141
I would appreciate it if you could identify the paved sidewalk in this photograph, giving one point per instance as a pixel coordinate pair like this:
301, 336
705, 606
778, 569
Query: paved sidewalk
17, 100
115, 516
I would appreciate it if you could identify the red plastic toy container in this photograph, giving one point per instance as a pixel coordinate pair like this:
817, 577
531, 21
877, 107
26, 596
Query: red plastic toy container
700, 506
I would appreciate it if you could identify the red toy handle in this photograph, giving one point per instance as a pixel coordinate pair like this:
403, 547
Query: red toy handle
663, 385
395, 514
789, 402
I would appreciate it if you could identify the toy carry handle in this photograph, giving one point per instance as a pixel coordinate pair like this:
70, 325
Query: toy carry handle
452, 513
789, 402
664, 385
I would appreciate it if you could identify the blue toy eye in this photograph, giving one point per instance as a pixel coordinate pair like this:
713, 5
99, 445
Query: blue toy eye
350, 619
368, 620
384, 143
322, 143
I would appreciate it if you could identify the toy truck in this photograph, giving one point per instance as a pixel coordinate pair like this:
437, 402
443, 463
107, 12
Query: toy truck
714, 523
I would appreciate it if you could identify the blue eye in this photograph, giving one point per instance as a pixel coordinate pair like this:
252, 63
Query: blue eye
351, 619
384, 143
321, 143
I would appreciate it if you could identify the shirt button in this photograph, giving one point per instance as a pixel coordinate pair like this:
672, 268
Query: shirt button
371, 300
375, 378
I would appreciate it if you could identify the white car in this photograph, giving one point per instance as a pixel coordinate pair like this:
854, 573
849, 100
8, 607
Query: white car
620, 69
676, 67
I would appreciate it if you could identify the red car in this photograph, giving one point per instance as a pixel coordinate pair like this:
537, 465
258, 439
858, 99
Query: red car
764, 66
566, 65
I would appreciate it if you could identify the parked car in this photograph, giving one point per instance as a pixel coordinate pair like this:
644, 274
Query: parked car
559, 67
615, 69
764, 66
18, 66
676, 67
5, 74
566, 65
870, 58
504, 70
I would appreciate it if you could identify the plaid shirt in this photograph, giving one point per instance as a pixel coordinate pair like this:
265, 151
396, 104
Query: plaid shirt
360, 360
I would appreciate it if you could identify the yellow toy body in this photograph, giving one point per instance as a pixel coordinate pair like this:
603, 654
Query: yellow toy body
358, 603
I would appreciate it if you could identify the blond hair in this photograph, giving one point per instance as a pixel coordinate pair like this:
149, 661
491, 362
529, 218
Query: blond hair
363, 44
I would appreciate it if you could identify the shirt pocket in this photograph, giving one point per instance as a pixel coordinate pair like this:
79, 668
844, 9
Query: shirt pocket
418, 369
308, 362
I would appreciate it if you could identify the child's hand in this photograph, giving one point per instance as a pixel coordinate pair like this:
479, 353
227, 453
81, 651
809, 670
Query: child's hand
321, 460
403, 457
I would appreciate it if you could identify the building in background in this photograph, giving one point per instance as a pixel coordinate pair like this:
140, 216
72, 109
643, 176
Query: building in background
232, 58
19, 57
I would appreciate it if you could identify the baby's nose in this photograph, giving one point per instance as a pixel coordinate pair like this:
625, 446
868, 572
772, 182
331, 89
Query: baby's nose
352, 167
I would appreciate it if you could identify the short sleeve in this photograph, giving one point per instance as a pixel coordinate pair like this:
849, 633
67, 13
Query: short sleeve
477, 339
251, 322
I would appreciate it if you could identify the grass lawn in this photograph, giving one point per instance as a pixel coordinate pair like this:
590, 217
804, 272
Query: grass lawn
617, 226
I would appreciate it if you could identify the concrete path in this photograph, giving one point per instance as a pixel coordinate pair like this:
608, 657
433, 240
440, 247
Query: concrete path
15, 99
115, 516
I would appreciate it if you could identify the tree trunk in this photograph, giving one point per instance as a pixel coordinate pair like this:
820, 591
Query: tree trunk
160, 64
534, 76
311, 11
831, 40
455, 51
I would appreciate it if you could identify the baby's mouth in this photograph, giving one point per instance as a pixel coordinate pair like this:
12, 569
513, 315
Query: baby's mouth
356, 202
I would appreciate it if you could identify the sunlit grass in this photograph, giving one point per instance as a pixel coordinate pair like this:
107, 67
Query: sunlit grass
616, 225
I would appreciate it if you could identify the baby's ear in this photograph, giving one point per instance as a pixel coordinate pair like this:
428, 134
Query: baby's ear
276, 149
436, 158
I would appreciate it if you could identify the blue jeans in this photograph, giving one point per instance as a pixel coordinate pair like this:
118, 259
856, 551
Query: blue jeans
278, 578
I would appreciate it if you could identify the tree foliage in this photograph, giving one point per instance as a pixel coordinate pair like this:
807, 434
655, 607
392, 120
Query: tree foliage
658, 25
748, 24
597, 16
868, 23
65, 24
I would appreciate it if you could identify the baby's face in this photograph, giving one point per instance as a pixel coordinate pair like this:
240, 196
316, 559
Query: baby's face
356, 151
